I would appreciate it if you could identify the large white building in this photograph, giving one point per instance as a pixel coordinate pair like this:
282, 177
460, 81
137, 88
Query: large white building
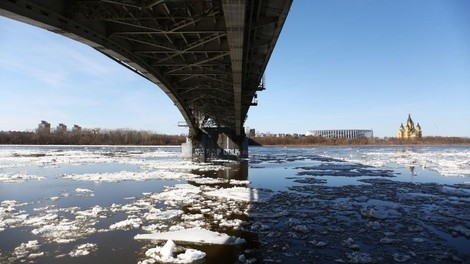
341, 133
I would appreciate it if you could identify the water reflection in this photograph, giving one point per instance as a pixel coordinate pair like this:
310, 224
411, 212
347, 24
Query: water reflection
235, 171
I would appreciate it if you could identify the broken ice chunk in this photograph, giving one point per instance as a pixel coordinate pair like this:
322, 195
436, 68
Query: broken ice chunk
194, 236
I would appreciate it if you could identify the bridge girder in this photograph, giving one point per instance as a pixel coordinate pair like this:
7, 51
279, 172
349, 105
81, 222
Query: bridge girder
207, 56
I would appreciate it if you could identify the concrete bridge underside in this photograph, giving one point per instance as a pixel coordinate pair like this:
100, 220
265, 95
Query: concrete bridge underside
208, 56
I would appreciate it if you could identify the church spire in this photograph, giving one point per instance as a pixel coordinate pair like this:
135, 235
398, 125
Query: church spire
409, 123
409, 118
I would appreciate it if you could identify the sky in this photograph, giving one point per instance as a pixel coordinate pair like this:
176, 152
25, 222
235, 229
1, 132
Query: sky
338, 64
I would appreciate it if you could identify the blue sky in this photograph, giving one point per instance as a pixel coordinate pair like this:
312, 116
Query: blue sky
337, 64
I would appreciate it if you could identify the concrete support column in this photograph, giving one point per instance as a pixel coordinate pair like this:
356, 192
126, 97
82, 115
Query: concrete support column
216, 144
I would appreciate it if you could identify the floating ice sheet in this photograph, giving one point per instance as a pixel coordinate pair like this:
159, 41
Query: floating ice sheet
128, 176
165, 255
18, 178
193, 236
83, 250
27, 250
156, 164
448, 162
242, 194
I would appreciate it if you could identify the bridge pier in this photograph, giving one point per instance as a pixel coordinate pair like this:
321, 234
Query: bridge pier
215, 144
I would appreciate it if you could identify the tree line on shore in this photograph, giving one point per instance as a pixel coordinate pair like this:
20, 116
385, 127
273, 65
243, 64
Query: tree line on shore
92, 137
133, 137
321, 141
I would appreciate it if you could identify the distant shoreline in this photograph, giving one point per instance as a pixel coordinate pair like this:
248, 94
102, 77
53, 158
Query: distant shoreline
122, 137
145, 138
319, 141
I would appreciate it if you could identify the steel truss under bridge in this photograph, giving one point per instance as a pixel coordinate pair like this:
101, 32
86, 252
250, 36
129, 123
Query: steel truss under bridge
208, 56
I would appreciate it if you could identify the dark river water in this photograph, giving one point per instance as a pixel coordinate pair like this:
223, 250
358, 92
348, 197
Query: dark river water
66, 204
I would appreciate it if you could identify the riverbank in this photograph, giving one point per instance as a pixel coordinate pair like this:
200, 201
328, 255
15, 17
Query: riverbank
319, 141
147, 138
91, 137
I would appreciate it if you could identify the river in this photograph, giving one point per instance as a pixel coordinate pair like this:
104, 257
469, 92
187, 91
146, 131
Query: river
116, 204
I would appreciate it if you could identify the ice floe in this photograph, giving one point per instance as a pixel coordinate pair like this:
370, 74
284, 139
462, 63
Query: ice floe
155, 164
197, 236
214, 181
25, 249
178, 193
166, 254
155, 214
65, 230
242, 194
129, 176
80, 190
18, 178
455, 191
448, 162
83, 250
48, 224
127, 224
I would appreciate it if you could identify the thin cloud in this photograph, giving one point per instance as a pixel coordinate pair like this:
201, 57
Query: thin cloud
29, 70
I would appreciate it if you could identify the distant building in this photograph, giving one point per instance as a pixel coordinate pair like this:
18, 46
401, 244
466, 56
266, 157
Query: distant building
250, 132
409, 131
44, 128
76, 129
267, 134
61, 129
341, 133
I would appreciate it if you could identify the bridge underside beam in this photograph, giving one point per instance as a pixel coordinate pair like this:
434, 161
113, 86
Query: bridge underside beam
234, 11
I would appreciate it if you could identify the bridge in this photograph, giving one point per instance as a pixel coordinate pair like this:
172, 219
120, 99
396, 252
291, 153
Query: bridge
208, 56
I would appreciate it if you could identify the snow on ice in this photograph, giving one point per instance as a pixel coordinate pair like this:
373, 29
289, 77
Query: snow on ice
197, 236
166, 254
242, 194
80, 190
151, 167
18, 178
26, 249
447, 163
127, 224
128, 176
83, 250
